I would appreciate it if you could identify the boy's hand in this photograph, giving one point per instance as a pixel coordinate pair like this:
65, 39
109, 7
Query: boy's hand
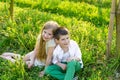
73, 58
69, 59
63, 66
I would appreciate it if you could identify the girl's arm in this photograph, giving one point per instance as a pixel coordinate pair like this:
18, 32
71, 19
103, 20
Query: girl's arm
49, 56
32, 60
48, 60
33, 56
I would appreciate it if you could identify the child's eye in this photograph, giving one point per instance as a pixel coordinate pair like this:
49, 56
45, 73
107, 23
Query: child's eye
44, 31
49, 34
67, 37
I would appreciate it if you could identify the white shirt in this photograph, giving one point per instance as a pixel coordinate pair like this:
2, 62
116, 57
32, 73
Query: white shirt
74, 51
66, 55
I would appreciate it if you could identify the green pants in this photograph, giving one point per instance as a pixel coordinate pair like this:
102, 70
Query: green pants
57, 72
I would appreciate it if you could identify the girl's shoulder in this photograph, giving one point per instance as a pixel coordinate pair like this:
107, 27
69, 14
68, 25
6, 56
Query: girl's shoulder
51, 42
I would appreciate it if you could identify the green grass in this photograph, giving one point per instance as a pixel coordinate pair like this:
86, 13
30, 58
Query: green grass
87, 21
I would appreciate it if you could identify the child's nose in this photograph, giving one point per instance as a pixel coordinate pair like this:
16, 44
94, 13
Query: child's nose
45, 35
66, 41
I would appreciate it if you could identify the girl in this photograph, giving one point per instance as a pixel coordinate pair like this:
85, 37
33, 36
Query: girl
42, 53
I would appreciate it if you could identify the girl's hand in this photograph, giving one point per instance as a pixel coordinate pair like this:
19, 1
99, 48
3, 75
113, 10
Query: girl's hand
41, 74
30, 65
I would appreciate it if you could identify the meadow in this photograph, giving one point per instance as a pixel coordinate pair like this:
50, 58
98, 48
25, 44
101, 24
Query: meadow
87, 21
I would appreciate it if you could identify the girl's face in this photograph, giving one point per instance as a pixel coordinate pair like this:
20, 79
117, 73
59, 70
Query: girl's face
47, 34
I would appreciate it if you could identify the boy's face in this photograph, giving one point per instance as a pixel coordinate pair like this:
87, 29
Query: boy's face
64, 41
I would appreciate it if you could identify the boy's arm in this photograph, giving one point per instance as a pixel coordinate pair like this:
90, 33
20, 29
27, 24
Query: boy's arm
63, 66
78, 54
55, 59
73, 58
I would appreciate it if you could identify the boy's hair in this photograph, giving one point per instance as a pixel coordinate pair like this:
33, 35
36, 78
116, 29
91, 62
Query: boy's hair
41, 52
60, 31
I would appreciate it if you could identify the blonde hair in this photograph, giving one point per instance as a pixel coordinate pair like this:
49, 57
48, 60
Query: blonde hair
40, 45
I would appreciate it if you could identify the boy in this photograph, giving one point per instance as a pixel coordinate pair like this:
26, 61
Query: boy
66, 56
